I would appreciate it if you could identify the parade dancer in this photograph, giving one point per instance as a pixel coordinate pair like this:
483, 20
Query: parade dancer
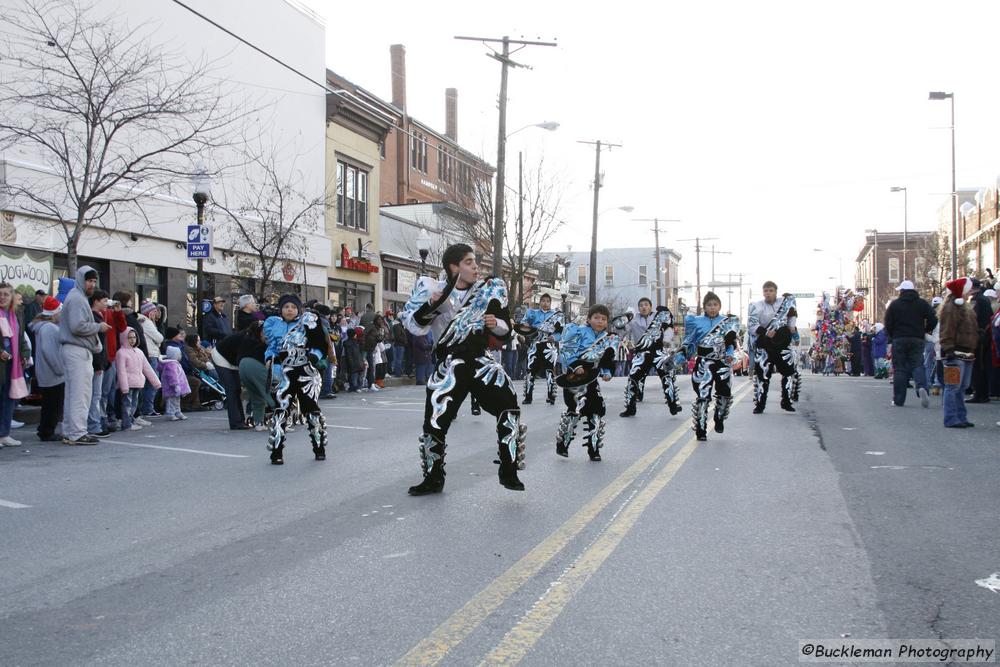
295, 346
587, 354
711, 339
652, 336
770, 332
463, 312
540, 325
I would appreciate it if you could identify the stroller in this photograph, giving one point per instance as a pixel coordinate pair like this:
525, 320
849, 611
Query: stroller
210, 386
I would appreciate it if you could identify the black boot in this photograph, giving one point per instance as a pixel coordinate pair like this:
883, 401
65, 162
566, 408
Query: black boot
674, 408
317, 433
564, 436
432, 462
508, 477
277, 458
630, 411
786, 405
719, 425
511, 438
595, 436
699, 418
527, 400
759, 410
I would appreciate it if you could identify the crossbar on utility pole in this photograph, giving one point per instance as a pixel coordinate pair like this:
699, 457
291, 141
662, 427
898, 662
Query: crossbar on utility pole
656, 239
505, 62
697, 266
598, 145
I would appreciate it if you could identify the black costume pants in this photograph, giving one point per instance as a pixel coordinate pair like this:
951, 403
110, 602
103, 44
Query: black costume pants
765, 362
234, 406
710, 376
52, 408
301, 384
641, 363
484, 378
541, 364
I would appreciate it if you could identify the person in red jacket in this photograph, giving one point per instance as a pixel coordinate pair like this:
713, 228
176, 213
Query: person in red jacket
111, 405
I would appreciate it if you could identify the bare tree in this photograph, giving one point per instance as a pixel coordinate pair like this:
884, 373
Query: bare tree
270, 216
113, 117
937, 252
526, 232
481, 202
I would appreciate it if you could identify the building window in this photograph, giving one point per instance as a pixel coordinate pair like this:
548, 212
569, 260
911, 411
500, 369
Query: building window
418, 152
446, 165
352, 197
581, 275
381, 149
609, 275
919, 271
642, 274
893, 269
389, 279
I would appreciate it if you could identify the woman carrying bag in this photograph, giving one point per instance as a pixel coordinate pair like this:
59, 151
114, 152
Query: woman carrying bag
958, 339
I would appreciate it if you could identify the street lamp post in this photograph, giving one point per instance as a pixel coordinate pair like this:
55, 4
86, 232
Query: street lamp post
938, 95
905, 216
201, 182
423, 247
592, 292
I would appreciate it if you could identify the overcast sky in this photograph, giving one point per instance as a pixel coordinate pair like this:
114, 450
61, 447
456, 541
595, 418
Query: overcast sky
776, 126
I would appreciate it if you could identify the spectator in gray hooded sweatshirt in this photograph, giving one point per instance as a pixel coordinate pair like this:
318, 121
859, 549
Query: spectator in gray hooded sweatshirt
80, 337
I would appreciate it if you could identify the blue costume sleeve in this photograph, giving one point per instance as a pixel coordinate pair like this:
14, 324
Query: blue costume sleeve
274, 331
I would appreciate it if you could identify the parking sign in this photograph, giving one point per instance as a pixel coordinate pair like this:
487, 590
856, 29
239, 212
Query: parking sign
199, 242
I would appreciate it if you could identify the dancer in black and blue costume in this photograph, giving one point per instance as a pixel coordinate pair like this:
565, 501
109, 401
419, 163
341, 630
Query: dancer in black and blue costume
586, 351
543, 352
653, 336
771, 332
463, 312
711, 339
296, 345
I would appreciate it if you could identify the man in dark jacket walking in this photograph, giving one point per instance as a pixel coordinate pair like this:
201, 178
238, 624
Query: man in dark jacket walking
907, 319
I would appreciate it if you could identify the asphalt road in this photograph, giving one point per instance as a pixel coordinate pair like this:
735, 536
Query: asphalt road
180, 544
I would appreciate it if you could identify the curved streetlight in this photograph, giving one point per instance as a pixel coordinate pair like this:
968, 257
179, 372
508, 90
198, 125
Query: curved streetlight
938, 95
548, 125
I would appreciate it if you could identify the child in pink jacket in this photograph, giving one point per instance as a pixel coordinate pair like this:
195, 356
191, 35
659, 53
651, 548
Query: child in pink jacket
175, 383
133, 371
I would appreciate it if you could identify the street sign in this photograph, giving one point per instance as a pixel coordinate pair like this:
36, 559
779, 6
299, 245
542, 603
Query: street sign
804, 295
199, 242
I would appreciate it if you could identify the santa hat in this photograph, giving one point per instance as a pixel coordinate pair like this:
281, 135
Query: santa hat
959, 288
51, 306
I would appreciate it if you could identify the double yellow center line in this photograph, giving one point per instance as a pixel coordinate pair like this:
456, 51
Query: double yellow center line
522, 637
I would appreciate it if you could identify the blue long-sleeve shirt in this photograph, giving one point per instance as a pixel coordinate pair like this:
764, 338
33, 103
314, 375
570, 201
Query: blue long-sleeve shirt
275, 330
695, 328
576, 338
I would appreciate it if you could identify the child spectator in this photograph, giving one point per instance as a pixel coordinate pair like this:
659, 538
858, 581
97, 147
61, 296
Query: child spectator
49, 368
175, 384
133, 370
354, 361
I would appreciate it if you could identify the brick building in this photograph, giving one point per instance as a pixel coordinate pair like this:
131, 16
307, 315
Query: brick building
880, 267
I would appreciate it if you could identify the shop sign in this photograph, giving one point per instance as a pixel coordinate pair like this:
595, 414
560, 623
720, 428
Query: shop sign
26, 274
405, 280
354, 263
288, 272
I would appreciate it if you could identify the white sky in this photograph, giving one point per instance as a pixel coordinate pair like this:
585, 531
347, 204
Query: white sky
777, 126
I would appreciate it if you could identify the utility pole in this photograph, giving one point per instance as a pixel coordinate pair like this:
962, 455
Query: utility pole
656, 239
598, 145
504, 58
715, 252
697, 267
